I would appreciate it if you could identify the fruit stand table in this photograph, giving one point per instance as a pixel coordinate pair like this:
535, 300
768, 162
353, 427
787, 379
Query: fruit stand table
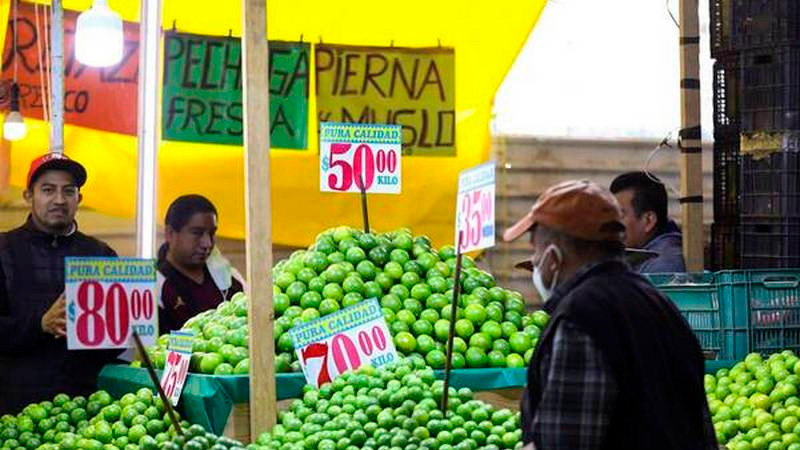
209, 400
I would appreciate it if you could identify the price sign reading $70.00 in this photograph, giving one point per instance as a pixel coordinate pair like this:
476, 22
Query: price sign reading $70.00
342, 341
107, 300
354, 153
177, 367
475, 208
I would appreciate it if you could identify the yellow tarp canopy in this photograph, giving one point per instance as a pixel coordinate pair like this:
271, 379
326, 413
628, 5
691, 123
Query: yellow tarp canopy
486, 37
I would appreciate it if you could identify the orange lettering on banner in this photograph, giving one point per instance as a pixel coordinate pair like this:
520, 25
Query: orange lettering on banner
104, 99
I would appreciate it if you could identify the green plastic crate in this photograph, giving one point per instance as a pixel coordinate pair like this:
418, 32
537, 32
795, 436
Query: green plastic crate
710, 316
768, 303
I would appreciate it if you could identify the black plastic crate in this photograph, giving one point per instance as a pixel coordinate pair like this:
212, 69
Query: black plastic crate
721, 27
770, 180
726, 94
770, 89
725, 245
765, 23
770, 243
727, 161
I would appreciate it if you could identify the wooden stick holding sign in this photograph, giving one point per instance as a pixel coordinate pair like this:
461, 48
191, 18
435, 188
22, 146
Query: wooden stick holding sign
154, 378
364, 211
448, 364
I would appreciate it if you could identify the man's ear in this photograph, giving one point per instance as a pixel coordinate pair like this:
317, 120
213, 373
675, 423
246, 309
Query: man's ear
27, 194
80, 197
169, 233
650, 221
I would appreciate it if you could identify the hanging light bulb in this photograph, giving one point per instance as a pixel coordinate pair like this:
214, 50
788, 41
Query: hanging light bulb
14, 127
98, 36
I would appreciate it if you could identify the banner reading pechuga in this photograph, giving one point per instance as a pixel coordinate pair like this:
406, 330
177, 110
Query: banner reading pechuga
412, 87
202, 94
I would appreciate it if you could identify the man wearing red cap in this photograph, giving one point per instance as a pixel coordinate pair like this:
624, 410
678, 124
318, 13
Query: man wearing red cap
34, 361
617, 366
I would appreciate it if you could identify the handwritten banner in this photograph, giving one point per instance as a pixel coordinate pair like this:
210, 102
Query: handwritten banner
414, 88
202, 95
104, 99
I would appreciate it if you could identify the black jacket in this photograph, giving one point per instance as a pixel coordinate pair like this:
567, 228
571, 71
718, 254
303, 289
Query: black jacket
35, 366
653, 354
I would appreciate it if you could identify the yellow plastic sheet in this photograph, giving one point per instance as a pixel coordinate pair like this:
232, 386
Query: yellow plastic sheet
486, 37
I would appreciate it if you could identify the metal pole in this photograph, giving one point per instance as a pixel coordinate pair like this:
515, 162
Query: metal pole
149, 37
690, 143
57, 77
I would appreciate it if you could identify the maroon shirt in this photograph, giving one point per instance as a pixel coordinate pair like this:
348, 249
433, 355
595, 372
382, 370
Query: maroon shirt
183, 298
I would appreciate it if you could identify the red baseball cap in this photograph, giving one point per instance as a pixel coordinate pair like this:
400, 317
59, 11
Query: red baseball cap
580, 209
56, 161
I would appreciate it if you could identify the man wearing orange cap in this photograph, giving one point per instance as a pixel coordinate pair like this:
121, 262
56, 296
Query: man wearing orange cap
617, 367
34, 361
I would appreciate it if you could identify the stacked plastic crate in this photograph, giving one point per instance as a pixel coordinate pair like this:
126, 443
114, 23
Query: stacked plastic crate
757, 133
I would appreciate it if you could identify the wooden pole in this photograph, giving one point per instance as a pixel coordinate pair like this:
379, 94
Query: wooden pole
258, 219
690, 143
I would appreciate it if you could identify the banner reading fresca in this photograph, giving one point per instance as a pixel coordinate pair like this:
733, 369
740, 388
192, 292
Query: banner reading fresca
202, 99
412, 87
104, 99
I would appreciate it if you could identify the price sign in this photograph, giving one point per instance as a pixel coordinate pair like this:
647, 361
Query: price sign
352, 153
108, 299
177, 367
342, 341
475, 208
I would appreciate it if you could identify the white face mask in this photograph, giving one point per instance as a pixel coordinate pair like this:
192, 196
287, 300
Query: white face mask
538, 282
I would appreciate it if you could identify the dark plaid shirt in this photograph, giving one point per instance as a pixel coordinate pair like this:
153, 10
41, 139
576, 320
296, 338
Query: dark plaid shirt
578, 393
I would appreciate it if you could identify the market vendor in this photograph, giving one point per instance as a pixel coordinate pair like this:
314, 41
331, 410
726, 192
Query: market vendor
35, 364
617, 366
643, 199
193, 275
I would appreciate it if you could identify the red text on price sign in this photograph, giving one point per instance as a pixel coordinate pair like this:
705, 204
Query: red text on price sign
177, 366
356, 156
342, 341
107, 300
475, 221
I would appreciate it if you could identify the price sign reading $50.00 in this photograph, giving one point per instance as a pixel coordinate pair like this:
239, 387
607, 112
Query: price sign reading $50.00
354, 153
107, 300
342, 341
475, 208
177, 367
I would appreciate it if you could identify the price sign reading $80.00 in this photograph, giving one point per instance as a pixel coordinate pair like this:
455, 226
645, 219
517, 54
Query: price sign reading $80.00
475, 208
354, 153
177, 367
342, 341
107, 300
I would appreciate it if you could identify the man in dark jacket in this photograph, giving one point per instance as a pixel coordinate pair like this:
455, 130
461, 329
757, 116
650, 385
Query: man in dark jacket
34, 361
617, 366
193, 276
643, 200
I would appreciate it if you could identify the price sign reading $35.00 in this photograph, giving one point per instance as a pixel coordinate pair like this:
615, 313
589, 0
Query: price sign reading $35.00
342, 341
177, 367
107, 300
475, 208
355, 153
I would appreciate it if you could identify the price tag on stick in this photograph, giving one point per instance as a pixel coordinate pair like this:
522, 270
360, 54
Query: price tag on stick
177, 367
107, 300
342, 341
352, 155
475, 208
